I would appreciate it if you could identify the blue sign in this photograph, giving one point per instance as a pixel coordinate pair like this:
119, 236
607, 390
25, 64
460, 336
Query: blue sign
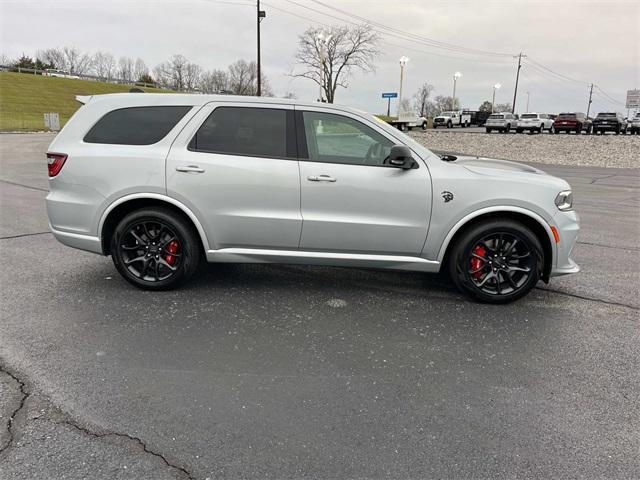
390, 95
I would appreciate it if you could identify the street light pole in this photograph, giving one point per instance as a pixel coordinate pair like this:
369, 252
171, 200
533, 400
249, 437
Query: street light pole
527, 101
493, 102
260, 14
456, 76
403, 61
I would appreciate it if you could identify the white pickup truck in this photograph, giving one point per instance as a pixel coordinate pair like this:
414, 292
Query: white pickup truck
451, 119
408, 121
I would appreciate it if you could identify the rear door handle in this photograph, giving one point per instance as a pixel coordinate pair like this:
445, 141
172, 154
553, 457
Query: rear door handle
321, 178
189, 169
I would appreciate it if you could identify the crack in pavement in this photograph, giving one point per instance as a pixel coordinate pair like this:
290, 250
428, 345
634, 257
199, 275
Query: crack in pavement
16, 184
608, 246
138, 440
25, 394
23, 235
591, 299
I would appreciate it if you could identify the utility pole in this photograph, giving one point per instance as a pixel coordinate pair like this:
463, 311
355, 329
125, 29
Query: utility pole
589, 104
527, 101
260, 14
515, 91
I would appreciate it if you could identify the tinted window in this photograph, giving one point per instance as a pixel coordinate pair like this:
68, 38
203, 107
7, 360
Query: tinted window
136, 125
496, 116
338, 139
244, 131
529, 115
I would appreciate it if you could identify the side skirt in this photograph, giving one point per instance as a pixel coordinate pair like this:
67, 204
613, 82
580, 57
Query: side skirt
255, 255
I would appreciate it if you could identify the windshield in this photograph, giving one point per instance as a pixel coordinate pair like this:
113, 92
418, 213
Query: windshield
528, 115
606, 115
496, 116
447, 114
567, 115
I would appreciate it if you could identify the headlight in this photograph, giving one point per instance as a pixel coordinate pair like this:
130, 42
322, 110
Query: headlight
564, 200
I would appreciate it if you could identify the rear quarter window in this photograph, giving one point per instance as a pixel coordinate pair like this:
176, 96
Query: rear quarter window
136, 125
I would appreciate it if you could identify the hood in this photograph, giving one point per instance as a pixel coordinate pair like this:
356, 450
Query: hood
485, 165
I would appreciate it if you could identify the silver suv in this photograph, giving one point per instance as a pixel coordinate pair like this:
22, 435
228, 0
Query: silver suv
502, 122
160, 182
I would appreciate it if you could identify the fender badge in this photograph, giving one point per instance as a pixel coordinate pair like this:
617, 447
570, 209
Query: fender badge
447, 196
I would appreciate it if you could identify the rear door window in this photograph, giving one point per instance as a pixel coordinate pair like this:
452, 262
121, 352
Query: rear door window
247, 131
136, 125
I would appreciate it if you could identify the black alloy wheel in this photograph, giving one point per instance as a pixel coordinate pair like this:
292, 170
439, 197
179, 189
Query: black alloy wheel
497, 261
155, 249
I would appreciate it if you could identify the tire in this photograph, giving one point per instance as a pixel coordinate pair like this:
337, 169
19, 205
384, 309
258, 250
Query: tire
488, 130
449, 124
617, 130
424, 125
519, 130
152, 230
435, 126
540, 128
477, 280
508, 128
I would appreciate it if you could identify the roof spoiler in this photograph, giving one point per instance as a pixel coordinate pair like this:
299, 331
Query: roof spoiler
83, 99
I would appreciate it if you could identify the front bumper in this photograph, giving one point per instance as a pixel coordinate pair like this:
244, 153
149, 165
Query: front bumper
568, 225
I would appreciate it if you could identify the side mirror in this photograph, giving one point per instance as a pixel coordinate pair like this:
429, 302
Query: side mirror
400, 157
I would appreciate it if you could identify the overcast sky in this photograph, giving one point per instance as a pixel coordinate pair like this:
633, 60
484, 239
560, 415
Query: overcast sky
589, 41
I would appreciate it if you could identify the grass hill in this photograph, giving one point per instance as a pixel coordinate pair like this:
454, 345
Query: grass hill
25, 98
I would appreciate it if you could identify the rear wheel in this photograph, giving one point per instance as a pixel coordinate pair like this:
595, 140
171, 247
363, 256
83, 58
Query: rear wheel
155, 249
519, 130
496, 261
449, 124
424, 125
488, 130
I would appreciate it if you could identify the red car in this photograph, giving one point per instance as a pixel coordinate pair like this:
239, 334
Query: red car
571, 122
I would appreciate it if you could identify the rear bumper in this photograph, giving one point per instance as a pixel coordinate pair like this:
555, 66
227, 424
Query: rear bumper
76, 240
612, 128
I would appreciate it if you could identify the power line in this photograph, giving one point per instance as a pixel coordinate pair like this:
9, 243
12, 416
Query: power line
435, 43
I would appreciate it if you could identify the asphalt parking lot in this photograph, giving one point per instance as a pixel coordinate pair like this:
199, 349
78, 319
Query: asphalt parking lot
312, 372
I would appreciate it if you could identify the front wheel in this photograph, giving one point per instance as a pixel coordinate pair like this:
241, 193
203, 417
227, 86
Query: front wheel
496, 261
449, 124
155, 249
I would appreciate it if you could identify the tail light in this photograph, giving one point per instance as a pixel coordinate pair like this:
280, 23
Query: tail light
55, 162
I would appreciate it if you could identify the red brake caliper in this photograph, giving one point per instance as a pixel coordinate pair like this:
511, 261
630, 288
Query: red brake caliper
476, 263
173, 247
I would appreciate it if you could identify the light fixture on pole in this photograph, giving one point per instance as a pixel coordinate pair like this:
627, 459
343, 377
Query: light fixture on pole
493, 102
456, 76
403, 61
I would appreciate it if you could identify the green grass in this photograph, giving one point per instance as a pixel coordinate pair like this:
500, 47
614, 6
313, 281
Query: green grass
25, 98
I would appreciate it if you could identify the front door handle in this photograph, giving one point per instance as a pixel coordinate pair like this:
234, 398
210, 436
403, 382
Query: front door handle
321, 178
189, 169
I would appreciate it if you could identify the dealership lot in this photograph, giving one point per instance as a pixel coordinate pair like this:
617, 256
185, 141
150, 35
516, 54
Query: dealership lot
310, 372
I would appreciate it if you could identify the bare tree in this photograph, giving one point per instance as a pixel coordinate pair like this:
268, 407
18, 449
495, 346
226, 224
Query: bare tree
243, 79
172, 72
103, 64
5, 60
214, 81
140, 69
421, 99
125, 69
192, 74
329, 58
443, 103
69, 59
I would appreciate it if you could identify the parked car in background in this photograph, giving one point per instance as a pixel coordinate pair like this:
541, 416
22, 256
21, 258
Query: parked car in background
609, 122
534, 122
571, 122
502, 122
50, 72
452, 119
162, 182
634, 124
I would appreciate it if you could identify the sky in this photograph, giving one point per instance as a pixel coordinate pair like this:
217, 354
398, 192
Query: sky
569, 44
